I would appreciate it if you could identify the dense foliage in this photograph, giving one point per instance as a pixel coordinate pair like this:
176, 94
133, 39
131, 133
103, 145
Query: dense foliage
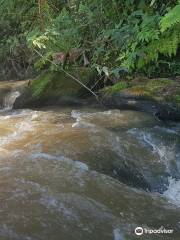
115, 37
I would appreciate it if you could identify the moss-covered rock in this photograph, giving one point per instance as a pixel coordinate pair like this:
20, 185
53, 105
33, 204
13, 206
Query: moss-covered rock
116, 88
158, 96
57, 88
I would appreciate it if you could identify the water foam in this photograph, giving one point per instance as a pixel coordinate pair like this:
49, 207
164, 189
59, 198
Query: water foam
117, 234
21, 129
166, 152
173, 192
79, 165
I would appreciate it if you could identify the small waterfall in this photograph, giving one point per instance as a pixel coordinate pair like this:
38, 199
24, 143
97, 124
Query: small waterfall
9, 99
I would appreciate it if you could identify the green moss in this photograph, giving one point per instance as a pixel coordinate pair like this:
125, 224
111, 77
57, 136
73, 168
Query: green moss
157, 85
39, 85
139, 89
161, 90
154, 88
59, 84
159, 82
117, 87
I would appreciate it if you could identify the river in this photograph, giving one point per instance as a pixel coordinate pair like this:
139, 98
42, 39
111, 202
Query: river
86, 173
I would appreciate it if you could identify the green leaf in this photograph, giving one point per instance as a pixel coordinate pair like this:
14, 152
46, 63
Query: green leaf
170, 19
152, 2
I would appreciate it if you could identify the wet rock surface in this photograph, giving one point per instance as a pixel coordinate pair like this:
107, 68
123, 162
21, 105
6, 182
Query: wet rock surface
162, 111
159, 97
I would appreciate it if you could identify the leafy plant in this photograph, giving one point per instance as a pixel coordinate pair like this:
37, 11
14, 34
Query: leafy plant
171, 19
117, 37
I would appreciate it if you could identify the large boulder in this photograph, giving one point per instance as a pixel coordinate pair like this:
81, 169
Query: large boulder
160, 97
56, 88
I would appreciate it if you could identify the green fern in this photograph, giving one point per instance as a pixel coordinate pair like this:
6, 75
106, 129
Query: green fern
166, 45
171, 18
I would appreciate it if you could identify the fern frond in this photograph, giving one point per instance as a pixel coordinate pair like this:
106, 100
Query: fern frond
167, 45
171, 18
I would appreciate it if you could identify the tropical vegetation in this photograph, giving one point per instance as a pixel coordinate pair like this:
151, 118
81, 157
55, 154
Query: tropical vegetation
117, 38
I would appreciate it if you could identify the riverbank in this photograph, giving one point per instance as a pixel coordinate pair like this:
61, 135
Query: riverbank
159, 97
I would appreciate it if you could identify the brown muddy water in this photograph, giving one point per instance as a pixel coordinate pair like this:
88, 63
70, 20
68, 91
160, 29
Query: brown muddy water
85, 173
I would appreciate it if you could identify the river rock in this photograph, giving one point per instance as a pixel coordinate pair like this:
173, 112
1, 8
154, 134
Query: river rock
57, 88
160, 97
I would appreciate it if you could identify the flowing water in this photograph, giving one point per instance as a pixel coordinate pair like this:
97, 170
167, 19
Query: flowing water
87, 174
